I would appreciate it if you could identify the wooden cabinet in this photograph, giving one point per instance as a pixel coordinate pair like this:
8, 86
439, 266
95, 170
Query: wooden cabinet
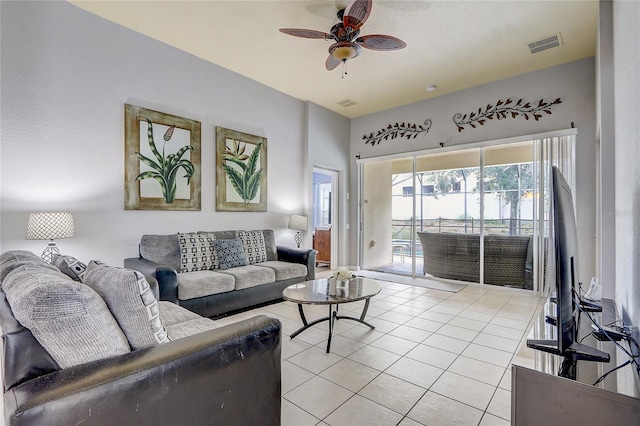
322, 243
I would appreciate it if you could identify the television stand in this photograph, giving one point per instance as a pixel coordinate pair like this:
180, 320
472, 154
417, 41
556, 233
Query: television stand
540, 380
576, 352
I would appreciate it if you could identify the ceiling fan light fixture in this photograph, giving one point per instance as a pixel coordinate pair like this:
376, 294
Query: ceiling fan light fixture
344, 50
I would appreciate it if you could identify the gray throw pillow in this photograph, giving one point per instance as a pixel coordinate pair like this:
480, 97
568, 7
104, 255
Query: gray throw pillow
13, 259
131, 301
197, 252
70, 266
19, 255
230, 253
68, 319
254, 246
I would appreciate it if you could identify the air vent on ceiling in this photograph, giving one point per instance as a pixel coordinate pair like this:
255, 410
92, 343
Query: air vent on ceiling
545, 43
347, 103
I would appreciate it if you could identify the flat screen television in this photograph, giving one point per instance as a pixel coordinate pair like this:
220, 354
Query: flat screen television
565, 249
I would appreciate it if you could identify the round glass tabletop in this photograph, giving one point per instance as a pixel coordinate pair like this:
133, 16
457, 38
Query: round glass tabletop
327, 291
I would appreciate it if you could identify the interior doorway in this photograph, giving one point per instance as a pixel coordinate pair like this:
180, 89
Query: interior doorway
324, 216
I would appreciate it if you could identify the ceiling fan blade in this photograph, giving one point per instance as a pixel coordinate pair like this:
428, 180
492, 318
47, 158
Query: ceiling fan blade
356, 13
331, 63
381, 42
301, 32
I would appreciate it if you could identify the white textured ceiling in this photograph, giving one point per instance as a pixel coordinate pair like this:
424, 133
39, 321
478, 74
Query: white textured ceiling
451, 44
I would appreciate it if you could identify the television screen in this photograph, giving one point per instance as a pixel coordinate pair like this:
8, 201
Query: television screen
564, 240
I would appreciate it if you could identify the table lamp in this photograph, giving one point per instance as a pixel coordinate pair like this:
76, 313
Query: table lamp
50, 226
299, 223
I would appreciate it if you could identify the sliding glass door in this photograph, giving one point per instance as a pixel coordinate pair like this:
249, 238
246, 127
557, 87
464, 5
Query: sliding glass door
477, 215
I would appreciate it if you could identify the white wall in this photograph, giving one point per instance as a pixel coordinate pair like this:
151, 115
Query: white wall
605, 152
626, 55
574, 83
66, 75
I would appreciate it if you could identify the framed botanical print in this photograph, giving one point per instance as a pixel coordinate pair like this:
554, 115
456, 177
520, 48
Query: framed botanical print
241, 172
162, 161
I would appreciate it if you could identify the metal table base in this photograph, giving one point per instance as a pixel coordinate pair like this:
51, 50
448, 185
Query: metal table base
333, 315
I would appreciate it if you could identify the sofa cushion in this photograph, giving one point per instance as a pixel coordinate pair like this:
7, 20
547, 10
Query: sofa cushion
70, 266
285, 270
251, 276
223, 235
203, 283
189, 328
69, 319
181, 322
230, 253
162, 249
254, 247
131, 302
172, 314
197, 252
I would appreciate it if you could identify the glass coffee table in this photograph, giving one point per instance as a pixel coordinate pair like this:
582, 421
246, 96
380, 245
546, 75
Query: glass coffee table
328, 292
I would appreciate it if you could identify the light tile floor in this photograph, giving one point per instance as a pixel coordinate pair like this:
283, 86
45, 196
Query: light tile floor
435, 358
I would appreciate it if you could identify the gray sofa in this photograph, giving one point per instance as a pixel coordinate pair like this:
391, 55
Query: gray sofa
507, 260
104, 351
200, 271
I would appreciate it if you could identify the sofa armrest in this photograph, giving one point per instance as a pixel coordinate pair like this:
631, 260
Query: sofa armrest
168, 283
230, 375
147, 267
296, 255
162, 279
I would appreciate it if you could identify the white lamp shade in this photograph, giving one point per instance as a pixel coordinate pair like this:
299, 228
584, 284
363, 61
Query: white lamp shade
50, 226
297, 222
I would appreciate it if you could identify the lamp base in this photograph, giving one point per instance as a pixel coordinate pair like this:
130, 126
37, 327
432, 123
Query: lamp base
50, 251
298, 238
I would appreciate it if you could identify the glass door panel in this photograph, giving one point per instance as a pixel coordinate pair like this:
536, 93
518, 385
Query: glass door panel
448, 215
508, 189
403, 192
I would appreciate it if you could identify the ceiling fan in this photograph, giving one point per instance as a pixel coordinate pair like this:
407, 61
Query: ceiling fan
346, 35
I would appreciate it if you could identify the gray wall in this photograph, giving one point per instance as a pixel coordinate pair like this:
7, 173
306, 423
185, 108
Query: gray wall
328, 142
66, 75
574, 83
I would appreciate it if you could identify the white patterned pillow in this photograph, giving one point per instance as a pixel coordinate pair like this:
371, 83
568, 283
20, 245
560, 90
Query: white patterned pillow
197, 252
131, 301
230, 253
255, 249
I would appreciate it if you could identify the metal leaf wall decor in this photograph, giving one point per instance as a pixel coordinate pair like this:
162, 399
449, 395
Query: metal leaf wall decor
401, 130
505, 109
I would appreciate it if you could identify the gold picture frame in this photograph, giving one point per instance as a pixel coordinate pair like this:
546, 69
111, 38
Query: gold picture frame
241, 172
161, 178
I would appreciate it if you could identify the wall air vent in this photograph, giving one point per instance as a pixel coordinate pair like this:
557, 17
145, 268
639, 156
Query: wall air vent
545, 43
347, 103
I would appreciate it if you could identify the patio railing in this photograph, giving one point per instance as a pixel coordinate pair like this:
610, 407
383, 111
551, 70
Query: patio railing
401, 229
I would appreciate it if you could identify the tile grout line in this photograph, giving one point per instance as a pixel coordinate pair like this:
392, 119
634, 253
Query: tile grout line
396, 325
